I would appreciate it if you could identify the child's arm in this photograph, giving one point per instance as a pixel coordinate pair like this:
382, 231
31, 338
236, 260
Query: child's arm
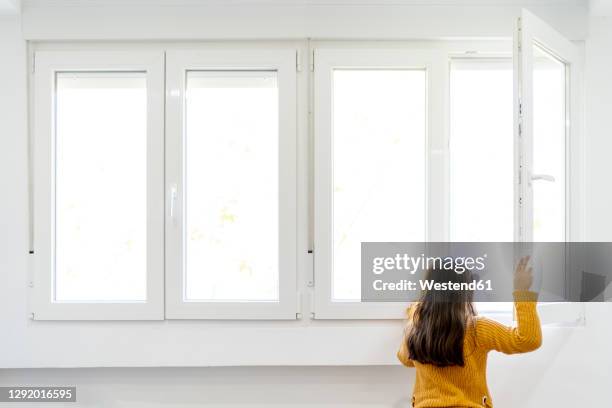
527, 336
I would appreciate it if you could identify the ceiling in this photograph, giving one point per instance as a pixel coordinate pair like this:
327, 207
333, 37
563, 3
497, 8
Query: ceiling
80, 3
9, 6
600, 7
597, 7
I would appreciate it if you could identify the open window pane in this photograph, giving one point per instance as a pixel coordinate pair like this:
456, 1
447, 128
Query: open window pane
100, 187
231, 186
481, 150
549, 138
547, 96
379, 159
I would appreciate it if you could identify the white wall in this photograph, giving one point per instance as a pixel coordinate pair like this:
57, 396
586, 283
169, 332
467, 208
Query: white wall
13, 182
599, 129
571, 369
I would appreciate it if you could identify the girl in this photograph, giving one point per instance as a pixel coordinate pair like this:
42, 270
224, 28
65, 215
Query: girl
448, 343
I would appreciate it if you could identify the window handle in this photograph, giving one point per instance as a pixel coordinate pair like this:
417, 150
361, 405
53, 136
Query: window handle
173, 195
543, 177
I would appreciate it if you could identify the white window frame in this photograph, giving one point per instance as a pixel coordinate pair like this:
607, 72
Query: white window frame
531, 30
47, 64
178, 62
436, 208
438, 178
166, 104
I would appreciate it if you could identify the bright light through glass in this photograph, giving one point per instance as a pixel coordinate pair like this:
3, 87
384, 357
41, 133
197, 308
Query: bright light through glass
379, 136
100, 187
231, 192
549, 135
481, 151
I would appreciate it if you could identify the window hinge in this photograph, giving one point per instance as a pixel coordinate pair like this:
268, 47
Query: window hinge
298, 61
32, 316
298, 306
312, 305
312, 61
34, 63
310, 277
31, 269
519, 27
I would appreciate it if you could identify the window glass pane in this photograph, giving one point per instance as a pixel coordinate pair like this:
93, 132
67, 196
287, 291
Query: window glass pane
481, 151
379, 136
549, 135
231, 186
100, 187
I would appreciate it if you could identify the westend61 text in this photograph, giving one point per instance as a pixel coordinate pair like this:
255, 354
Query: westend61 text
426, 284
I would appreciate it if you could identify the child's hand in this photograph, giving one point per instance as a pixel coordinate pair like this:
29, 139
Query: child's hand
523, 275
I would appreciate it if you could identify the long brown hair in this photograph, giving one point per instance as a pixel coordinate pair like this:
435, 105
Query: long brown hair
439, 321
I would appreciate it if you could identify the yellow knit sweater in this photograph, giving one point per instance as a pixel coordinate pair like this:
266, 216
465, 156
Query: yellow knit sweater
467, 386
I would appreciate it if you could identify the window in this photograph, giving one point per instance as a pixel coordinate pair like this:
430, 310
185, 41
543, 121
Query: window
175, 184
98, 186
549, 69
373, 139
231, 186
379, 138
231, 180
549, 138
100, 242
481, 150
547, 104
481, 137
463, 176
